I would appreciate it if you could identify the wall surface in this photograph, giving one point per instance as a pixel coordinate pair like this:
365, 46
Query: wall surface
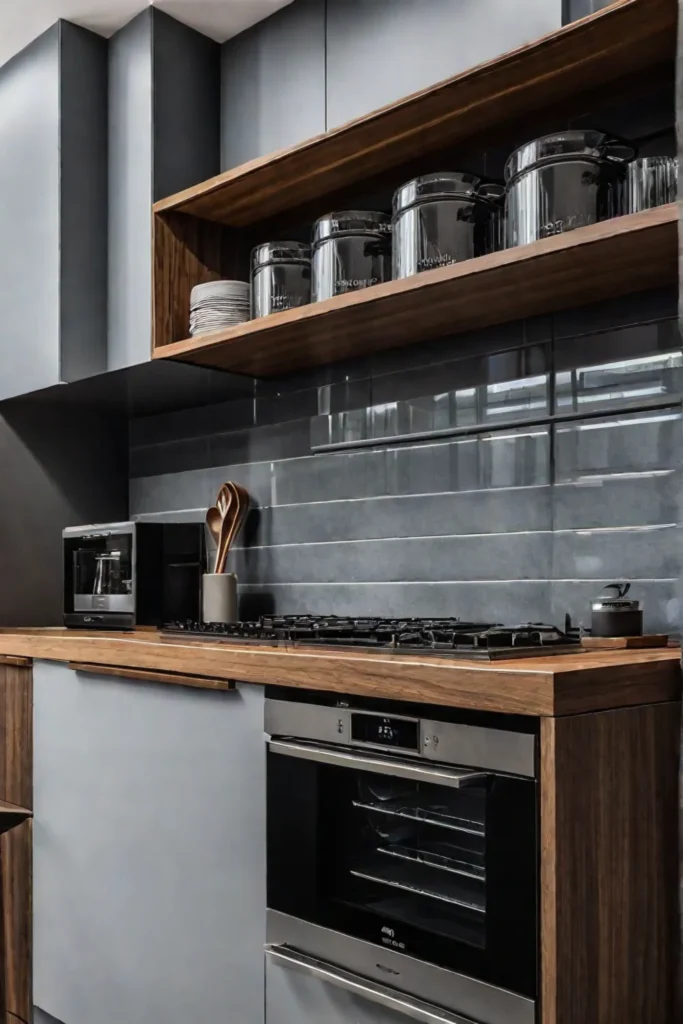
506, 525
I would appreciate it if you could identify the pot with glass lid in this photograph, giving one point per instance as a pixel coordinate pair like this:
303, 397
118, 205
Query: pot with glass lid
613, 614
561, 182
441, 218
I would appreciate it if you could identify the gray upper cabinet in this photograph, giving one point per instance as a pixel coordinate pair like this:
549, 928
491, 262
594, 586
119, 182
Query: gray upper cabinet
149, 851
273, 83
381, 50
53, 182
164, 97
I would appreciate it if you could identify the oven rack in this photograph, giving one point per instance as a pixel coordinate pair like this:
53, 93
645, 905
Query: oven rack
424, 815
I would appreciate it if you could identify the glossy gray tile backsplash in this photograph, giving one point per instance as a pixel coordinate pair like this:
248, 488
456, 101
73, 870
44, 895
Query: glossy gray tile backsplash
516, 523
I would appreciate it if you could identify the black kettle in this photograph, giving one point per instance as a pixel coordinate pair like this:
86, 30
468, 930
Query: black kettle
612, 614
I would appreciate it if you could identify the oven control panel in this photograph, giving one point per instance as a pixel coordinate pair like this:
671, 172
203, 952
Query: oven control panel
385, 731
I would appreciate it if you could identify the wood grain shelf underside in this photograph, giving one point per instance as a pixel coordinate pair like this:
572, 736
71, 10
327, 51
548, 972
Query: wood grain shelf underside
597, 262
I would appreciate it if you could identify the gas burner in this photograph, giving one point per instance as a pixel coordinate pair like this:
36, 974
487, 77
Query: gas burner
443, 637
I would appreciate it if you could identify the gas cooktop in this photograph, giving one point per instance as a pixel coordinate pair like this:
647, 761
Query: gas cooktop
442, 637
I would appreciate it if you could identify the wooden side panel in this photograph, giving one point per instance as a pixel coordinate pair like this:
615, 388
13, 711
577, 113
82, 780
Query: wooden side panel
609, 866
16, 786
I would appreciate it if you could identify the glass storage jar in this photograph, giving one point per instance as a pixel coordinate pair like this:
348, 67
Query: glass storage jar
443, 218
280, 277
645, 183
560, 182
351, 250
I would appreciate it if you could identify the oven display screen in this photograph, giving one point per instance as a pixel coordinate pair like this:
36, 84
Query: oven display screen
385, 731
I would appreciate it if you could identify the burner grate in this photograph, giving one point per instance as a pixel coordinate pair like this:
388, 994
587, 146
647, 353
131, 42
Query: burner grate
410, 635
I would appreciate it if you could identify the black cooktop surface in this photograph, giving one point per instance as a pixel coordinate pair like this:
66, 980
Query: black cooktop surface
443, 637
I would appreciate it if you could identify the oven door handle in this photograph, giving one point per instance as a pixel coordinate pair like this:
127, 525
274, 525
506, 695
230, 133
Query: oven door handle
382, 766
391, 998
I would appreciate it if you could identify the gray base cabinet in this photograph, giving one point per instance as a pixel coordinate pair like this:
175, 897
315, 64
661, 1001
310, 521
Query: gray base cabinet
149, 851
293, 998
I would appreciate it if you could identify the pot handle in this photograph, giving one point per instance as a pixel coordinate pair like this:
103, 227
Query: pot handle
622, 589
489, 190
618, 150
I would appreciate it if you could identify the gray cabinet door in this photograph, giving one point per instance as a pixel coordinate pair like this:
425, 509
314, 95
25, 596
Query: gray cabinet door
149, 851
381, 50
293, 998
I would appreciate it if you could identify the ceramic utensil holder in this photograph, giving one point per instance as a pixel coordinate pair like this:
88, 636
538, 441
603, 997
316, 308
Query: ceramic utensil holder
219, 597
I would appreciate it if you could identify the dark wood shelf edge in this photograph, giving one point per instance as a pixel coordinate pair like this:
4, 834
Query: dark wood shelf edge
596, 262
153, 676
8, 659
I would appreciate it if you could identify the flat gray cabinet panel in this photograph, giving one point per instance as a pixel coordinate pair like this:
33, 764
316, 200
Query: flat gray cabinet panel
149, 851
381, 50
293, 998
129, 329
273, 83
29, 217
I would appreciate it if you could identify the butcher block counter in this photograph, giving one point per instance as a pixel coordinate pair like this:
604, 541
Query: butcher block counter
563, 684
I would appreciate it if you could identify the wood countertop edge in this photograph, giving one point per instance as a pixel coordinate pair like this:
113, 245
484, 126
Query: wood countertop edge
560, 685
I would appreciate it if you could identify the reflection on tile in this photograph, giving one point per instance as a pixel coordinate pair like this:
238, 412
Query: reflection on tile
649, 553
517, 602
658, 304
634, 442
647, 499
631, 366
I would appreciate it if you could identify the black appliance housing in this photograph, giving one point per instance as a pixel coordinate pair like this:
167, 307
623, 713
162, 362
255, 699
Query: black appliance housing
124, 575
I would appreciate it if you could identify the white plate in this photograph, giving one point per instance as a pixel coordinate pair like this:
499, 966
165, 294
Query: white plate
227, 289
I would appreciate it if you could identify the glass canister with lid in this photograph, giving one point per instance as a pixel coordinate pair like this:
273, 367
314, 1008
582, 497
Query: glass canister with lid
351, 250
443, 218
280, 277
560, 182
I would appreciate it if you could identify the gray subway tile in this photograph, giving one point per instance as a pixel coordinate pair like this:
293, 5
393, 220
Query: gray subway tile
659, 304
260, 443
526, 601
647, 500
484, 557
497, 511
188, 423
604, 555
197, 488
633, 442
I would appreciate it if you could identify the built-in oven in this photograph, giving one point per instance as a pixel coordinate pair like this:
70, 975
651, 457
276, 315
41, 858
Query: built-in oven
402, 854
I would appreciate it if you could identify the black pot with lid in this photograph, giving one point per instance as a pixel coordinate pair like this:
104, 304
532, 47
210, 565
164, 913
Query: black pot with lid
444, 217
561, 182
613, 614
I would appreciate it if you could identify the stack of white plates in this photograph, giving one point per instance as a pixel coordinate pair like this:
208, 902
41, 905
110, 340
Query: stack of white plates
218, 304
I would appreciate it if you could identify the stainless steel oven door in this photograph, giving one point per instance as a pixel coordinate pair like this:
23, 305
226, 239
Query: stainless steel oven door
432, 861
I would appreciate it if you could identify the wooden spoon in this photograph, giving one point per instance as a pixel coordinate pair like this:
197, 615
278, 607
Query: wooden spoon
225, 526
224, 499
213, 521
240, 507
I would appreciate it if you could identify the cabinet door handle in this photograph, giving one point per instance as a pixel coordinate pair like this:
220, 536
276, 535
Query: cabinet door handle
145, 675
426, 1013
380, 765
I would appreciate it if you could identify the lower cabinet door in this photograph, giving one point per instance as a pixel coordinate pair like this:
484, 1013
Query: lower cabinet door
320, 994
149, 851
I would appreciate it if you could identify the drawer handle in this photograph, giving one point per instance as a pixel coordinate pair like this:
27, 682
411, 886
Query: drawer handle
145, 675
426, 1013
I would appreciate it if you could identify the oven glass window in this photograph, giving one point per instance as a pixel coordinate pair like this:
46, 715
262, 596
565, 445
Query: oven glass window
443, 874
418, 855
101, 567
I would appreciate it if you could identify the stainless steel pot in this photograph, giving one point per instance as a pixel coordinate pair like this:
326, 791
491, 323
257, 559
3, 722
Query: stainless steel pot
560, 182
613, 615
280, 277
443, 218
351, 250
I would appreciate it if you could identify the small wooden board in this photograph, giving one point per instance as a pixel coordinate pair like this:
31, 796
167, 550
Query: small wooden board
613, 643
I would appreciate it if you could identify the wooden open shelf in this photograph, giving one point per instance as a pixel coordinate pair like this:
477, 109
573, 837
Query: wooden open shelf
626, 37
207, 231
12, 815
592, 263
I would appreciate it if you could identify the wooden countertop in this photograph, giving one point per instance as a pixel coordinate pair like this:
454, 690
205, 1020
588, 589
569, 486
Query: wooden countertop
553, 685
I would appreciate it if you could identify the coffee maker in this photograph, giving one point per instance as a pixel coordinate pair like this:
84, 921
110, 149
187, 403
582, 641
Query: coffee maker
127, 575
